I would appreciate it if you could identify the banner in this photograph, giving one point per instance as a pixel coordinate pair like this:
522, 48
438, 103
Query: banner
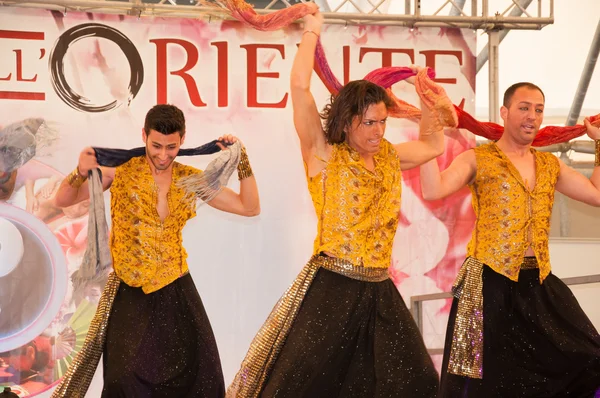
93, 78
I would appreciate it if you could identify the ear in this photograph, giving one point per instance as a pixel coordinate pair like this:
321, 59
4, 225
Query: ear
503, 112
144, 135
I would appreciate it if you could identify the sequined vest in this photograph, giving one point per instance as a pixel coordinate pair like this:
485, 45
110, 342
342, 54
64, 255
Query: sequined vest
510, 217
358, 209
146, 251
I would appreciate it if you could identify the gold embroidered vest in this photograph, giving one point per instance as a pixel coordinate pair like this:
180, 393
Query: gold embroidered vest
510, 217
357, 209
146, 251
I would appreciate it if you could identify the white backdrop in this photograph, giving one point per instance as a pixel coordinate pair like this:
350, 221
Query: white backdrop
240, 266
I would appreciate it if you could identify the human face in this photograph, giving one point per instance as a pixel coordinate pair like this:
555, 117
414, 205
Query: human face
524, 115
162, 149
365, 135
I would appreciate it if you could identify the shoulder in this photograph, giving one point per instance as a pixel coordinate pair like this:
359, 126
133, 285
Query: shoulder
389, 150
548, 157
550, 163
489, 148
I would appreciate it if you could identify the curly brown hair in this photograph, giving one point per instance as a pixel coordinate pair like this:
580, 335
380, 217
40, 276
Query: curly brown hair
353, 100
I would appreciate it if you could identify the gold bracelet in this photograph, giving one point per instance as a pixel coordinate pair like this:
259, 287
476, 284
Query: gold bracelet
75, 179
244, 169
311, 31
597, 152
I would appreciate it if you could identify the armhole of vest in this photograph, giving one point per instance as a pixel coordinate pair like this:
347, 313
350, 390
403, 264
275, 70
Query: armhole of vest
334, 150
557, 165
392, 148
476, 153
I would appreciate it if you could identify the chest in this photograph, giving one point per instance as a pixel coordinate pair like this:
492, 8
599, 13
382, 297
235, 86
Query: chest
523, 168
353, 193
163, 191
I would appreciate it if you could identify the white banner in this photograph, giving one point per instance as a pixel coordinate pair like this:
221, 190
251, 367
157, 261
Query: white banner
94, 77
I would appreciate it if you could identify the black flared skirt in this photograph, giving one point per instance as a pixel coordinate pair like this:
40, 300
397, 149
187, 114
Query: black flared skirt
537, 342
352, 339
161, 345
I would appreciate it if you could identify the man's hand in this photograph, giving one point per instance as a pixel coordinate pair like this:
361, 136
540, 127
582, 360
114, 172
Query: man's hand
314, 21
48, 189
592, 131
416, 69
87, 161
226, 140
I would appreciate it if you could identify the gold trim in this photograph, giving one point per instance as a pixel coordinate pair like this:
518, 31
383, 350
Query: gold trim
466, 350
75, 179
597, 152
529, 263
266, 346
346, 268
78, 377
244, 169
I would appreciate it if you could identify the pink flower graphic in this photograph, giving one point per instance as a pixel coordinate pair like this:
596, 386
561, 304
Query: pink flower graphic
396, 275
73, 238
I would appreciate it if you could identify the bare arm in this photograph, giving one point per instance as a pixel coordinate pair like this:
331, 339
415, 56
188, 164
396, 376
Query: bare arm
575, 185
415, 153
68, 195
246, 203
32, 203
429, 145
436, 185
306, 115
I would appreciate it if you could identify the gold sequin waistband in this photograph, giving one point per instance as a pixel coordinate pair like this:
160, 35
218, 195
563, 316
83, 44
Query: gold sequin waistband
346, 268
529, 263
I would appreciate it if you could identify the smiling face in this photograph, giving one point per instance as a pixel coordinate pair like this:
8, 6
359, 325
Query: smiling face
161, 149
365, 134
524, 115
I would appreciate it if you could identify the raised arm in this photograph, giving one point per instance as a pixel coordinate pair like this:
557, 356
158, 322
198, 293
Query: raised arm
436, 185
73, 188
574, 184
246, 203
429, 145
306, 115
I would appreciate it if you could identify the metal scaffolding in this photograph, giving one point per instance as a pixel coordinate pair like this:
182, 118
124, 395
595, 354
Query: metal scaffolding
441, 13
414, 15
